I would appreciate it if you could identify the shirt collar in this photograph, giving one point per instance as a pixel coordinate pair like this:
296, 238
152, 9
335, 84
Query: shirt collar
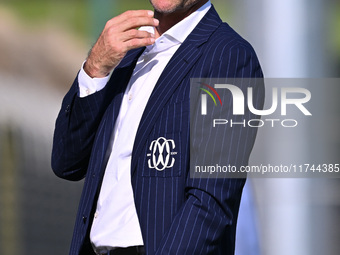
182, 29
179, 32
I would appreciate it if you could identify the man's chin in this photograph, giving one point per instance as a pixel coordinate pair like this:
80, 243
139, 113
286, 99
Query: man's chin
165, 7
165, 10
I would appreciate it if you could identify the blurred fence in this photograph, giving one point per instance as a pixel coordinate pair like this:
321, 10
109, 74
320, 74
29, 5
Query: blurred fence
37, 210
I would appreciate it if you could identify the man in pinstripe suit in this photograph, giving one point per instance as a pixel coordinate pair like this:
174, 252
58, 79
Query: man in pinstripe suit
124, 127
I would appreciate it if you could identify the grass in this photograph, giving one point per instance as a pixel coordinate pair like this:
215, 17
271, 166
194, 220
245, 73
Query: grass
76, 15
69, 14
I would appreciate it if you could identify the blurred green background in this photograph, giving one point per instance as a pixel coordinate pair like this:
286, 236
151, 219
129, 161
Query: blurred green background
81, 17
75, 15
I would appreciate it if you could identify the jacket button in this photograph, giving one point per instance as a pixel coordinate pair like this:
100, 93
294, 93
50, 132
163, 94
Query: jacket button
84, 219
67, 110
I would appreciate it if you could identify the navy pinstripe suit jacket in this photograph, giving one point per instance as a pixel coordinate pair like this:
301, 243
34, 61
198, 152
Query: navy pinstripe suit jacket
177, 214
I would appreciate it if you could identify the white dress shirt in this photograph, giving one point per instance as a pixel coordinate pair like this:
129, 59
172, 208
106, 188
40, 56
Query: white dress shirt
116, 222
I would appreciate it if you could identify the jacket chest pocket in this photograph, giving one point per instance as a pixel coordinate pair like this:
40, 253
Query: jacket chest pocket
166, 151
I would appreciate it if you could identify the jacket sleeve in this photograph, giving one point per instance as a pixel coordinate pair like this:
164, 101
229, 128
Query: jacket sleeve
75, 129
207, 220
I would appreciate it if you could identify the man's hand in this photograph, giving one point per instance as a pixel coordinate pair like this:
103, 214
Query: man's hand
120, 35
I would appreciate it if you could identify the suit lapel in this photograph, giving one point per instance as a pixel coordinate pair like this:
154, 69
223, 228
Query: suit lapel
173, 74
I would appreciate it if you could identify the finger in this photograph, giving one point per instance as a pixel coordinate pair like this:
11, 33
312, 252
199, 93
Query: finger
139, 42
134, 33
122, 18
134, 13
136, 22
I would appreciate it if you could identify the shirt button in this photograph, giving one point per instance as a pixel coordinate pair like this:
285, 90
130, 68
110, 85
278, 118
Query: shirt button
88, 92
96, 215
130, 97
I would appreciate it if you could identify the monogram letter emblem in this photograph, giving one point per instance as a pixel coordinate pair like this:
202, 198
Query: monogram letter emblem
161, 154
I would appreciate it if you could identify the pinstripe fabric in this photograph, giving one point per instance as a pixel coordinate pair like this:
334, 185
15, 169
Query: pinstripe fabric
178, 215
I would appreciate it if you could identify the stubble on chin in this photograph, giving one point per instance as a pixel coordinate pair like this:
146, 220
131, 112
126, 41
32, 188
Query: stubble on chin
166, 9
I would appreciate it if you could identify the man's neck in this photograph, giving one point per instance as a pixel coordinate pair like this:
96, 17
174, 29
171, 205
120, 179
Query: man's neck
168, 20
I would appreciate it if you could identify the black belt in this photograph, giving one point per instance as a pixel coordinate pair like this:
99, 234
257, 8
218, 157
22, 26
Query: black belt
132, 250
